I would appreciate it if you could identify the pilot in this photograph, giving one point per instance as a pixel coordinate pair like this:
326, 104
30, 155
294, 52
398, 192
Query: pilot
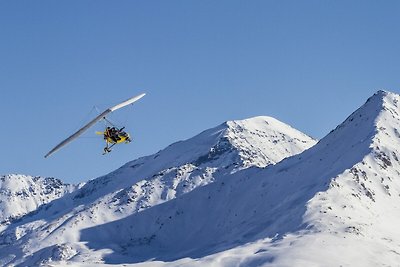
114, 134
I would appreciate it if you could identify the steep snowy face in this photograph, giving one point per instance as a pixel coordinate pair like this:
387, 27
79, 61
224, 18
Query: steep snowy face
362, 203
21, 194
305, 211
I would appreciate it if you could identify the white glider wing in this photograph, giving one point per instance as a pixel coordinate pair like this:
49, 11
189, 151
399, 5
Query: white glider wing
94, 121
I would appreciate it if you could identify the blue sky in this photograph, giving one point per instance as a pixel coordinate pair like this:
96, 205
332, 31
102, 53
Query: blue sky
307, 63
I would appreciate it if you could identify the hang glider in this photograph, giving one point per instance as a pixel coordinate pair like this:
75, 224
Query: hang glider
112, 136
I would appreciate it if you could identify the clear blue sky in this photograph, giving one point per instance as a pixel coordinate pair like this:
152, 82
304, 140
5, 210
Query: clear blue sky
307, 63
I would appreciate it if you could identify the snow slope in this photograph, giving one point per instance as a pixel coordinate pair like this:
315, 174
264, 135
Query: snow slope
21, 194
336, 204
53, 232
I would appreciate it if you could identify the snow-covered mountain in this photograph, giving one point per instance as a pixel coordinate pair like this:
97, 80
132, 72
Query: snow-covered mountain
336, 204
21, 194
53, 232
216, 200
185, 165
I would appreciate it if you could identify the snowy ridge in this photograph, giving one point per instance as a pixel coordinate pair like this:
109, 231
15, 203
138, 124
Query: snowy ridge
262, 141
185, 165
149, 181
211, 201
21, 194
343, 193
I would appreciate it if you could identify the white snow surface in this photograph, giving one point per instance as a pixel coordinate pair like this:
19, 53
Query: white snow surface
216, 200
21, 194
53, 232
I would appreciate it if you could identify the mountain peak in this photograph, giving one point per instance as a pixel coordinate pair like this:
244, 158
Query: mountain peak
383, 99
268, 139
382, 92
226, 148
368, 121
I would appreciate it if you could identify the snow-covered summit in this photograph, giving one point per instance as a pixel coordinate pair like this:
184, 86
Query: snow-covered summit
227, 148
263, 140
273, 141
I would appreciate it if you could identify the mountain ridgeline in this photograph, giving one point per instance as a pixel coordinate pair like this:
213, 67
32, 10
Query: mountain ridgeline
254, 192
